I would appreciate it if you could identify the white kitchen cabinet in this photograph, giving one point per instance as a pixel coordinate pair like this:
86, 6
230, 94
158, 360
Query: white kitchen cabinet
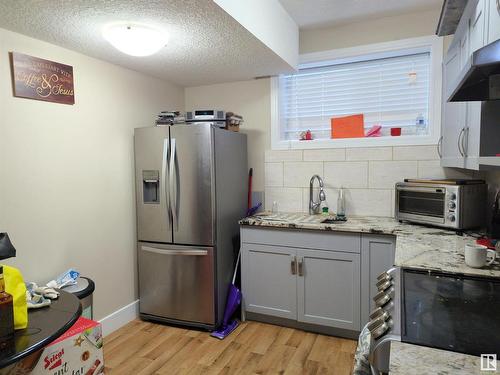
493, 20
269, 280
453, 114
467, 128
328, 288
477, 26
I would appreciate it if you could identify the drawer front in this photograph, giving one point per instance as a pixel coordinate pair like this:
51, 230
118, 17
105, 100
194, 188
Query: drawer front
308, 239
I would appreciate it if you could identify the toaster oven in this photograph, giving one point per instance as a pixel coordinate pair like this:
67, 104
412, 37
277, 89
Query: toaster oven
454, 204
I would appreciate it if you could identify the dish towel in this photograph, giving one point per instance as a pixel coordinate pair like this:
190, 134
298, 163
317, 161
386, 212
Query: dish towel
361, 362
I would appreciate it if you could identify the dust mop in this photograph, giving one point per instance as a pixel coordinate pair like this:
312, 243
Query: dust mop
232, 303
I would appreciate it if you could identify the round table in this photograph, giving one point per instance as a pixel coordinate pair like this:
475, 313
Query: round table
44, 326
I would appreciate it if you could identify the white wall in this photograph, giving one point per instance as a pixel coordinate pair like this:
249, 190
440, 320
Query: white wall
67, 185
370, 31
252, 100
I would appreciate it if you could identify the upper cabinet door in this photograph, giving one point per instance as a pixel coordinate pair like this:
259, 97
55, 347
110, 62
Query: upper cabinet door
328, 288
477, 27
453, 120
494, 21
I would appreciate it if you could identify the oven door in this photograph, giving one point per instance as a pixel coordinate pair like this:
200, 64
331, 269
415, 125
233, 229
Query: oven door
451, 312
423, 204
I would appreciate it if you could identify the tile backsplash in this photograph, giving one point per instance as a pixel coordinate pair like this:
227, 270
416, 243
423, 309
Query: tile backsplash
367, 174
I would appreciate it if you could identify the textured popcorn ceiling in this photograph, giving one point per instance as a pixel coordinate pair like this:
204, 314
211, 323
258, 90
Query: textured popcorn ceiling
206, 44
318, 13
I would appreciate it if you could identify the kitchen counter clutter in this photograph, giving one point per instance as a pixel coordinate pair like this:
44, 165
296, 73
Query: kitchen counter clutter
418, 247
408, 359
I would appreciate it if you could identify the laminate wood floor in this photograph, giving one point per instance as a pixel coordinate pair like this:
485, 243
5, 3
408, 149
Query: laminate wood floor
143, 348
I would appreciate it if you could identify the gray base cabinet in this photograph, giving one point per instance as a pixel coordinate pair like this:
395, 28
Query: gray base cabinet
269, 286
377, 256
313, 277
328, 290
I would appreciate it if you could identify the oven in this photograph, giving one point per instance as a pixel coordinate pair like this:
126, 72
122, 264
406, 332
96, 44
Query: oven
445, 204
435, 309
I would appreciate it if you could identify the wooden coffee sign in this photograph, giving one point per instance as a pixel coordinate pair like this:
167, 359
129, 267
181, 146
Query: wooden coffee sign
40, 79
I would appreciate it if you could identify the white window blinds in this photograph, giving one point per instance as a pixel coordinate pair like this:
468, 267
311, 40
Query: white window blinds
391, 92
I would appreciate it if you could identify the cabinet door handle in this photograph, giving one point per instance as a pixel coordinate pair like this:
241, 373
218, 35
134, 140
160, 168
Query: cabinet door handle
439, 147
498, 6
465, 140
460, 141
301, 267
293, 265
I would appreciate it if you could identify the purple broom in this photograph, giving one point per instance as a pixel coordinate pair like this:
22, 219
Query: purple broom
232, 303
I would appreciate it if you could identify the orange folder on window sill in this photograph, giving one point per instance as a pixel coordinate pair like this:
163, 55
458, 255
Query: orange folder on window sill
348, 126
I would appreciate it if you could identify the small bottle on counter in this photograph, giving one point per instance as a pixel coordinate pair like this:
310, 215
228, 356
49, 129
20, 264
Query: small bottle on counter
324, 208
6, 311
341, 204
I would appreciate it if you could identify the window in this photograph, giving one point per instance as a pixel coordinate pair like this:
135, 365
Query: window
396, 90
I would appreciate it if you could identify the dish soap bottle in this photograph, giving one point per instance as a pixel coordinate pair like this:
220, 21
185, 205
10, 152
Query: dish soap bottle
341, 204
324, 208
6, 311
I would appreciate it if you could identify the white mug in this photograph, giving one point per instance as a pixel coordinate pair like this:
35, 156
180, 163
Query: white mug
476, 256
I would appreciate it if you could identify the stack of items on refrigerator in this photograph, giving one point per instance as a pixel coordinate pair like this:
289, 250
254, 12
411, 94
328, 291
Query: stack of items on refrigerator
215, 117
166, 118
233, 121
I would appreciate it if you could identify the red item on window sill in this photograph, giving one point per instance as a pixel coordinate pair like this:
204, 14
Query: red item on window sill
374, 131
395, 132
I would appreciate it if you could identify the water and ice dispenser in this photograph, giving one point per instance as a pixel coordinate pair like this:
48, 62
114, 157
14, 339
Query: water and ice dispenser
151, 186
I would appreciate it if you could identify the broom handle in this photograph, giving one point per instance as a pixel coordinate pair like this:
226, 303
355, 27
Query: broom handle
236, 268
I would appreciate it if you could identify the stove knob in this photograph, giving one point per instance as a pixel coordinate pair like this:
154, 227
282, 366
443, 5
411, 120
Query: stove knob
451, 217
384, 276
452, 205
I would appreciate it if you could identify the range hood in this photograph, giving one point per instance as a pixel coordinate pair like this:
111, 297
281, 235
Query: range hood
480, 78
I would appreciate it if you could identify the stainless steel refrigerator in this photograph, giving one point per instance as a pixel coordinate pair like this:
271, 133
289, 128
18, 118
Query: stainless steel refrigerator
191, 186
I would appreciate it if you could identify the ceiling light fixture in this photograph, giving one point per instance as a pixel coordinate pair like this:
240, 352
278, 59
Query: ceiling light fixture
135, 39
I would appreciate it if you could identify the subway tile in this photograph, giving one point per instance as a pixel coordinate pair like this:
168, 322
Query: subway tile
433, 169
298, 174
369, 153
359, 202
288, 199
351, 174
273, 174
285, 155
334, 154
415, 153
385, 174
368, 202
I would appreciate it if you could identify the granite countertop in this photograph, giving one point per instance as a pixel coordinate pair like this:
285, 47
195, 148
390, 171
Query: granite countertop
408, 359
417, 246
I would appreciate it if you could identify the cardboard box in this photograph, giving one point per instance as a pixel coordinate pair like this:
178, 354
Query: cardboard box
76, 352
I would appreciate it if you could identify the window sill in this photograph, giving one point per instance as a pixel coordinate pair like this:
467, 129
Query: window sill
356, 142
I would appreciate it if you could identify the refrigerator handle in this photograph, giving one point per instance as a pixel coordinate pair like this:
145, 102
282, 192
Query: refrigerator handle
174, 252
163, 179
173, 185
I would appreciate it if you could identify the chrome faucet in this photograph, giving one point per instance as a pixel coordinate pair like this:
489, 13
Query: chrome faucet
314, 207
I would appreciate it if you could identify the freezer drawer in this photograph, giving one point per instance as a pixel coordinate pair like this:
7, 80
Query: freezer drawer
177, 282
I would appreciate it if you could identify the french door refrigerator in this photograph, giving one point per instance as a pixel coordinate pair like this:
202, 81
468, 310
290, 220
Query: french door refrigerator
191, 183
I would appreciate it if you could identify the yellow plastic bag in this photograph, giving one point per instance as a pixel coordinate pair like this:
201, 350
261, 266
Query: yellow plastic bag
14, 285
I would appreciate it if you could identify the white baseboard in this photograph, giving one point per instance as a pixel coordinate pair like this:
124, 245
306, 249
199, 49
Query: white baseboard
119, 318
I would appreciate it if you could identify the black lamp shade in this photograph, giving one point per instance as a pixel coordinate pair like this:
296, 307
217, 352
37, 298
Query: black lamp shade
7, 250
